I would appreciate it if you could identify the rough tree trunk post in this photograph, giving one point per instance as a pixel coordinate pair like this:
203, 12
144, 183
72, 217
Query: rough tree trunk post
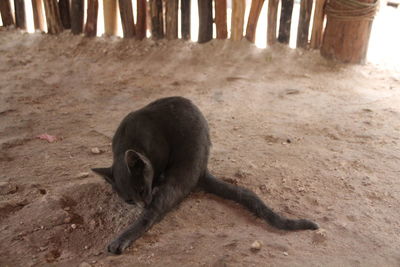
110, 17
304, 23
285, 21
319, 14
6, 14
220, 19
54, 25
127, 20
255, 10
171, 19
157, 25
91, 20
76, 16
205, 21
272, 20
141, 19
347, 39
63, 5
38, 15
238, 9
185, 19
19, 8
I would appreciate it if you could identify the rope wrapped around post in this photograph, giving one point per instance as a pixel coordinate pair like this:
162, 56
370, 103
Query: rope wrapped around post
351, 10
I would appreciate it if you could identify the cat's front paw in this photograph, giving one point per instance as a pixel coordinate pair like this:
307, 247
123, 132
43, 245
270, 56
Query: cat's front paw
118, 245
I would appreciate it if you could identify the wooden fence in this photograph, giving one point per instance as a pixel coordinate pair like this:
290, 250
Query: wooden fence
160, 17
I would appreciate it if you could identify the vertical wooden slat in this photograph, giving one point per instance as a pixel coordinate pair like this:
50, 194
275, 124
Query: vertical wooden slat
91, 20
110, 17
141, 19
19, 9
157, 25
272, 21
255, 10
77, 16
304, 23
54, 25
6, 15
185, 19
205, 21
238, 9
285, 21
220, 19
63, 5
38, 15
316, 34
171, 19
127, 20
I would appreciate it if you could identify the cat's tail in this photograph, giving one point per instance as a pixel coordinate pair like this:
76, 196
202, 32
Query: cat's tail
253, 203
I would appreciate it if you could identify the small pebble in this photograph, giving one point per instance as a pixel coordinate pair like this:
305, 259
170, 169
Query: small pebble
84, 264
67, 208
73, 226
86, 247
256, 246
95, 150
285, 253
82, 175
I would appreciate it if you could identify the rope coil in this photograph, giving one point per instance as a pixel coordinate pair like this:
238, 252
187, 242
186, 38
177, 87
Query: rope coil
348, 10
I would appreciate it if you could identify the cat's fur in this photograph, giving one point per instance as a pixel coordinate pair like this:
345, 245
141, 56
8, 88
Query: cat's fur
160, 155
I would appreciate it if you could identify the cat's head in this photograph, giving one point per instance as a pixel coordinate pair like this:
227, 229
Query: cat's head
131, 177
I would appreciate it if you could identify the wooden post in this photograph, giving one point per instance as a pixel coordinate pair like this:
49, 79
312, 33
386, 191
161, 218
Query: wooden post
37, 14
141, 20
110, 17
171, 19
205, 21
185, 19
63, 5
304, 23
238, 9
255, 10
76, 16
6, 14
316, 34
346, 38
53, 19
286, 21
91, 21
272, 20
127, 21
19, 8
220, 19
157, 25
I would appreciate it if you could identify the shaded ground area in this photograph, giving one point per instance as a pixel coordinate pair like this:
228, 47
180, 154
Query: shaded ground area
314, 139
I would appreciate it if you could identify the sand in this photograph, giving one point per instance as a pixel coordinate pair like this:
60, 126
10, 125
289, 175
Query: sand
314, 139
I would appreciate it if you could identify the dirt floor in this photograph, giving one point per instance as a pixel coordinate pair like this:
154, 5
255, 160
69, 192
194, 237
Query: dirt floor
314, 139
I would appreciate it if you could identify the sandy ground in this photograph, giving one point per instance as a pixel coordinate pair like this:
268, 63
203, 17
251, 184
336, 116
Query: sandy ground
314, 139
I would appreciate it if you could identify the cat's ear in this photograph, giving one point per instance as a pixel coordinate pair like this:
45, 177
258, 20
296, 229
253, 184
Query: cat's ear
135, 159
106, 173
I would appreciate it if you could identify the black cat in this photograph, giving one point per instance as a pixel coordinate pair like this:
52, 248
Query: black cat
160, 155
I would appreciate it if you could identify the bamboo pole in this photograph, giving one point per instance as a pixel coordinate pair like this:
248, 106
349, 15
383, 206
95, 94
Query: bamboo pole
19, 9
141, 20
220, 19
91, 20
63, 5
38, 15
110, 17
54, 25
6, 14
255, 10
185, 19
157, 24
272, 20
238, 9
205, 21
171, 19
76, 16
285, 21
316, 34
127, 20
304, 23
